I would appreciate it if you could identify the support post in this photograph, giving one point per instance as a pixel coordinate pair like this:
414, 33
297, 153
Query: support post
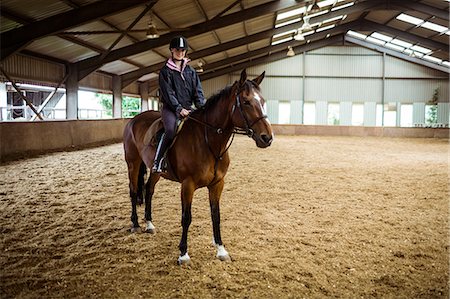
72, 93
143, 90
117, 96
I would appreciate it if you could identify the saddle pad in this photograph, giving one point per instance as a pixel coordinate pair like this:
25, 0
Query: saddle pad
155, 127
150, 135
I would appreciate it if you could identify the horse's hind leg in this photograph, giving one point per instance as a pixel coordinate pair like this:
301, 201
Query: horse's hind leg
133, 174
140, 185
149, 190
215, 191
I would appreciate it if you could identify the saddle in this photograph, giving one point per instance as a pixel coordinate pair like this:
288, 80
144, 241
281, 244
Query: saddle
155, 131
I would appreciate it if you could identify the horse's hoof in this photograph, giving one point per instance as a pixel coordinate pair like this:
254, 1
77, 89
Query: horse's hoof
135, 229
150, 228
222, 254
184, 260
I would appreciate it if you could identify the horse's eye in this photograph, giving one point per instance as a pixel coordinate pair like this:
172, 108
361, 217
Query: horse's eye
246, 102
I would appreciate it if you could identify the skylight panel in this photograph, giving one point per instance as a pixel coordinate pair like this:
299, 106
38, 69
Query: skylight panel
284, 33
401, 43
434, 27
394, 47
421, 49
432, 58
282, 40
381, 36
409, 19
356, 34
325, 28
446, 63
288, 22
333, 19
375, 40
342, 6
288, 14
325, 3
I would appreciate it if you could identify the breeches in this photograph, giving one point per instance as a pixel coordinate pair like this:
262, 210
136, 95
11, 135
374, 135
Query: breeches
170, 122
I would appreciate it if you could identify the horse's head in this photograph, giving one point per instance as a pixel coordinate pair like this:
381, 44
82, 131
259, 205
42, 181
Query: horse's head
248, 113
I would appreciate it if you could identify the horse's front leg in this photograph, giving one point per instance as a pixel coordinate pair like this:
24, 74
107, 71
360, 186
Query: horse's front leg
187, 193
215, 191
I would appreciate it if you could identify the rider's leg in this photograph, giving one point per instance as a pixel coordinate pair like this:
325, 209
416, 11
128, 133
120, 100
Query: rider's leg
169, 120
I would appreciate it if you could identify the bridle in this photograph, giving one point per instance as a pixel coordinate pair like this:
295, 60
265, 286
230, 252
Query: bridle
247, 130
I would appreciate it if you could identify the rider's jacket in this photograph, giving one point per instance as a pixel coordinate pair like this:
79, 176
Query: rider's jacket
180, 88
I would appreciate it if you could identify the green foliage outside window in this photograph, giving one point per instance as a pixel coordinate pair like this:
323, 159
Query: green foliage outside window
431, 117
130, 106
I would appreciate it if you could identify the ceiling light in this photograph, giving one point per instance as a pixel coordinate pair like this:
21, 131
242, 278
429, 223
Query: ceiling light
299, 36
315, 8
290, 52
200, 67
306, 25
152, 32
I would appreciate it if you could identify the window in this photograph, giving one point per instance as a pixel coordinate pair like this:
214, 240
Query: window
406, 115
390, 114
357, 114
333, 113
309, 113
284, 113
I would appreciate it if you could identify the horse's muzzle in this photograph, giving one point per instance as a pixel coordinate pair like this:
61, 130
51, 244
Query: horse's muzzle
263, 140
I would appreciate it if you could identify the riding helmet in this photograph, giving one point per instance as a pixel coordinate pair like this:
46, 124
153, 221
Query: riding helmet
179, 42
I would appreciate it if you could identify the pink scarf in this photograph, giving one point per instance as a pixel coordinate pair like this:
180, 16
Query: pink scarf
171, 65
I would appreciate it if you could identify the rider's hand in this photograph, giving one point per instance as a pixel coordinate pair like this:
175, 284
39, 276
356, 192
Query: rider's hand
184, 112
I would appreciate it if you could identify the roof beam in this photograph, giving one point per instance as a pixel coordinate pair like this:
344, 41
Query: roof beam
91, 64
15, 39
274, 56
373, 26
396, 54
129, 77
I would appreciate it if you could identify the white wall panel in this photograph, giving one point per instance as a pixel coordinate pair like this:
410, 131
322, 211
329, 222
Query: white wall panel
370, 113
443, 115
345, 113
410, 91
418, 113
282, 89
292, 66
215, 85
344, 65
296, 112
343, 89
399, 68
272, 111
321, 113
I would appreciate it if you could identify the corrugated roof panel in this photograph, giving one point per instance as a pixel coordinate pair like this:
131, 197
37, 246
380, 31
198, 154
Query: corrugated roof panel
237, 51
7, 24
213, 8
183, 14
252, 3
203, 41
259, 44
60, 48
215, 57
231, 32
118, 67
148, 58
259, 24
36, 10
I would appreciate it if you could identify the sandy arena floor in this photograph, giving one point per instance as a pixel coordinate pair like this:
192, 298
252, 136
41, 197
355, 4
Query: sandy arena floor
310, 217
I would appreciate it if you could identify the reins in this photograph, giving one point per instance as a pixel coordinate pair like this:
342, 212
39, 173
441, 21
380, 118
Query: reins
248, 131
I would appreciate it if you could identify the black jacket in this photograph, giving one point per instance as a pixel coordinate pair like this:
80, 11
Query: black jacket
178, 93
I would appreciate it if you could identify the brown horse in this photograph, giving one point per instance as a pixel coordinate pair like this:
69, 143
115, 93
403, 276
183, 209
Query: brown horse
199, 156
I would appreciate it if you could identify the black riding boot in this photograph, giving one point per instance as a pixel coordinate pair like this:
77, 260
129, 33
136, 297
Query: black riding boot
160, 153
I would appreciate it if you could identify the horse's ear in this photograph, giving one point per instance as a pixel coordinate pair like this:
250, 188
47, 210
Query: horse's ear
243, 77
259, 79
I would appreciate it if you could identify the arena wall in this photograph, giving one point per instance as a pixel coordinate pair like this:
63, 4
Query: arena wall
26, 139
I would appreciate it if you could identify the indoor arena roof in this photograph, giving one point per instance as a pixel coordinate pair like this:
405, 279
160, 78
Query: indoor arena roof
112, 36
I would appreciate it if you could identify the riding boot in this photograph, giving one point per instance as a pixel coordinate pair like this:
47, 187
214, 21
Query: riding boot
160, 153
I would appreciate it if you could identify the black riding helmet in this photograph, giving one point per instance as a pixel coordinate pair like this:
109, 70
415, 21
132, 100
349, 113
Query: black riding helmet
179, 42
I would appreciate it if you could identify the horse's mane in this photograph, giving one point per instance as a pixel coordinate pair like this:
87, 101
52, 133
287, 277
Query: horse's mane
225, 93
